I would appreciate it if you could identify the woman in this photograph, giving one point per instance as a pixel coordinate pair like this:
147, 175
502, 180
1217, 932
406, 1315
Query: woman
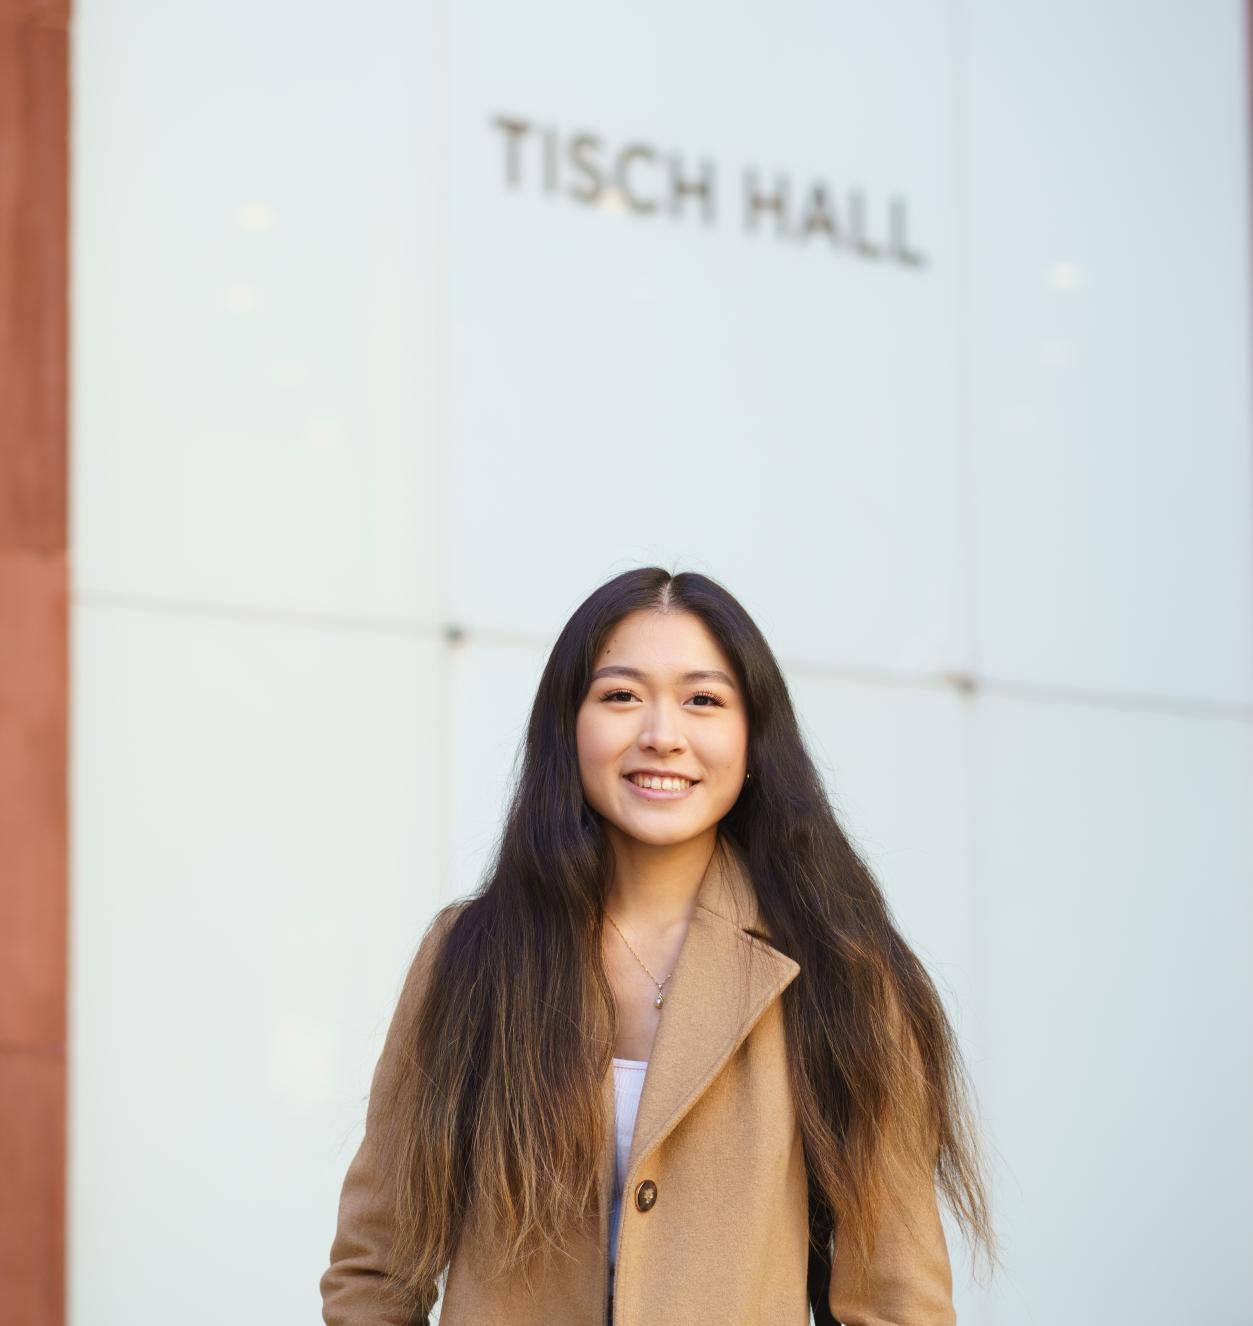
673, 1062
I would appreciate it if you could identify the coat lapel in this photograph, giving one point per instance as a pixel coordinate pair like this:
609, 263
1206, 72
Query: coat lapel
724, 979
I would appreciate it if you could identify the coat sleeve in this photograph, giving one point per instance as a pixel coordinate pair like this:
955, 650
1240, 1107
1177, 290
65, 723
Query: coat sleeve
910, 1281
354, 1287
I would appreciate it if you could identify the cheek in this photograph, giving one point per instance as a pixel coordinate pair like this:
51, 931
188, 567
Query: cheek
727, 749
594, 743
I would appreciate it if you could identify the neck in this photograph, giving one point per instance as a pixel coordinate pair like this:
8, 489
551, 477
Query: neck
654, 886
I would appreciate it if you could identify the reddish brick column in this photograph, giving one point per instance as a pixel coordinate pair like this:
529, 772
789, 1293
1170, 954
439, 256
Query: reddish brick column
33, 670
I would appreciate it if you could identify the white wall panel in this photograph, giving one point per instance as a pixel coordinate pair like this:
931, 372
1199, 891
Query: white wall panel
1115, 854
1109, 242
257, 821
256, 331
491, 688
896, 761
631, 387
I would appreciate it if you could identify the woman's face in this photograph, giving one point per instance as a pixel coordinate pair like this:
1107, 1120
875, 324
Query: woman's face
648, 709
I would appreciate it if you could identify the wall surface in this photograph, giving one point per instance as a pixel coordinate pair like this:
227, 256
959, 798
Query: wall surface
34, 615
924, 327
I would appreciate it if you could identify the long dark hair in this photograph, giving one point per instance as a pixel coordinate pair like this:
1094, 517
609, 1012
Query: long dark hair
496, 1112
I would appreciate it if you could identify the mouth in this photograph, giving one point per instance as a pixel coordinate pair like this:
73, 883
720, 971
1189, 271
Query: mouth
661, 793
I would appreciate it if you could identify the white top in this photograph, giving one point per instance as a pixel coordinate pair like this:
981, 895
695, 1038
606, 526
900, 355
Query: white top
628, 1082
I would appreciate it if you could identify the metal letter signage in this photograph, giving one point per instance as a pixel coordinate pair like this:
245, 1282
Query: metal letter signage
643, 179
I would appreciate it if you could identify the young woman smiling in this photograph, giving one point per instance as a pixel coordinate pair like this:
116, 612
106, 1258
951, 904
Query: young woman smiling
673, 1061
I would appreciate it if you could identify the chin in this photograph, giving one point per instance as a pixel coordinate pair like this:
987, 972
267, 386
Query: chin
662, 835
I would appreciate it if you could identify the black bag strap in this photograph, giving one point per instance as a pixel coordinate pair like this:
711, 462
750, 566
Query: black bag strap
821, 1228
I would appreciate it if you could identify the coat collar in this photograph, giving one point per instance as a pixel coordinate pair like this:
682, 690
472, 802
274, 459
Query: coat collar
724, 980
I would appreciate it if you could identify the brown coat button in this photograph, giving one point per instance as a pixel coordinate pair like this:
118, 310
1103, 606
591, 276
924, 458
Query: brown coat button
645, 1195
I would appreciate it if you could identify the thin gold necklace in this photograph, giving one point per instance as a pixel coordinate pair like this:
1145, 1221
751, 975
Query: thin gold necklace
660, 997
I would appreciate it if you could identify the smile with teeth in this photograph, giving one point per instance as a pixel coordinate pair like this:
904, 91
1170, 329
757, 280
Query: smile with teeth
660, 784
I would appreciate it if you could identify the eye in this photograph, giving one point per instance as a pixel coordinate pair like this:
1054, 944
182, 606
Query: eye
630, 695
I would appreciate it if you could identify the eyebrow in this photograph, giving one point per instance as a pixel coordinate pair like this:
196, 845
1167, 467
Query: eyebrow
704, 674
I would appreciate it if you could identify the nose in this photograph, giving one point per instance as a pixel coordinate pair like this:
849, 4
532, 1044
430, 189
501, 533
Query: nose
661, 730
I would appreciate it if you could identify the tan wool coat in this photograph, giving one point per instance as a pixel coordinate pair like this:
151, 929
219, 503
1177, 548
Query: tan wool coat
714, 1209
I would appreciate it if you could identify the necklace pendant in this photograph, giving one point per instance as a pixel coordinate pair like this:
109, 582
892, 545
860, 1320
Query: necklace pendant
657, 1001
